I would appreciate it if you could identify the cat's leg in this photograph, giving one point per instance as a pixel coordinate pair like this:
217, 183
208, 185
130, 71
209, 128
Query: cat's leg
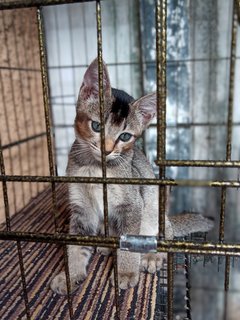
129, 262
152, 262
78, 256
128, 269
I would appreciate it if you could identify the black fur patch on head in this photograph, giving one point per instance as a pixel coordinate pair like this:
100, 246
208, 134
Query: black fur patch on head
120, 106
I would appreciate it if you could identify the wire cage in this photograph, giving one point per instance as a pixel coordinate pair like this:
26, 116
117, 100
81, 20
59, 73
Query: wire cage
40, 74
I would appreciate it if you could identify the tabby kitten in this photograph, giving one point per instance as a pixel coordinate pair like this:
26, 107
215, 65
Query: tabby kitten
133, 209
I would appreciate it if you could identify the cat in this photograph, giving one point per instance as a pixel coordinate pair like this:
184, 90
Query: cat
133, 209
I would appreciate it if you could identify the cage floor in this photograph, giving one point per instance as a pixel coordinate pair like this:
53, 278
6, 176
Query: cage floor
95, 297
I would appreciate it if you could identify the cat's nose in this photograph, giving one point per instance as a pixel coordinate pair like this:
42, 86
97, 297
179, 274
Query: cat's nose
109, 145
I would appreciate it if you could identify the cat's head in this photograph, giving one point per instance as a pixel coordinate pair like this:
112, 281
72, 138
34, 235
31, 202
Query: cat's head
125, 118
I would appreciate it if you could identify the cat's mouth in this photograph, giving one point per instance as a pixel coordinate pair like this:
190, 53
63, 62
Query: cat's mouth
111, 157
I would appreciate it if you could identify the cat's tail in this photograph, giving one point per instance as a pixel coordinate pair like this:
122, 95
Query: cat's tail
186, 223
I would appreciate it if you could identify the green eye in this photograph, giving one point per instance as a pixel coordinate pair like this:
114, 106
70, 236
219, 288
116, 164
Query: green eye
125, 136
96, 126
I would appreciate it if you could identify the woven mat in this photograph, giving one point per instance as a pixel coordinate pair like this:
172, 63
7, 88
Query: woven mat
95, 297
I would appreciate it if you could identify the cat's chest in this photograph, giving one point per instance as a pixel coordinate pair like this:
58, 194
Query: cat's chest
86, 171
92, 193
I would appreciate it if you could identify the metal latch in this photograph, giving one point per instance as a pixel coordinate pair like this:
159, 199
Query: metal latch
142, 244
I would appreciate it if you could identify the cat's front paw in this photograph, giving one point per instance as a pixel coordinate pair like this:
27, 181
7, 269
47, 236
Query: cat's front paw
128, 280
59, 283
152, 262
104, 251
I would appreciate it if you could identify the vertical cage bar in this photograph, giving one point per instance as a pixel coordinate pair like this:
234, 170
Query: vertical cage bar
33, 119
161, 29
68, 282
10, 149
38, 104
188, 287
229, 142
5, 191
222, 214
23, 278
116, 287
45, 85
238, 9
226, 285
229, 133
161, 51
231, 82
170, 286
101, 101
103, 155
227, 273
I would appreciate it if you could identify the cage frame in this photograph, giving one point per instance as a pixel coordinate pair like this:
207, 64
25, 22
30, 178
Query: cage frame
169, 246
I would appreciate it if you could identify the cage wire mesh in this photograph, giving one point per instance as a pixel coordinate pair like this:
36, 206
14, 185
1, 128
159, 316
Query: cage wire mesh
194, 66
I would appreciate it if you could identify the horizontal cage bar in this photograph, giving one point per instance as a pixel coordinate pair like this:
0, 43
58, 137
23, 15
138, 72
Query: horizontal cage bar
35, 3
134, 181
16, 143
172, 246
198, 163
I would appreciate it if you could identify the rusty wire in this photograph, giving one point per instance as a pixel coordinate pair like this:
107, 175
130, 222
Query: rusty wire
46, 100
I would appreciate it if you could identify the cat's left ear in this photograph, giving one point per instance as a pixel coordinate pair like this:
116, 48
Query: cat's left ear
146, 106
90, 85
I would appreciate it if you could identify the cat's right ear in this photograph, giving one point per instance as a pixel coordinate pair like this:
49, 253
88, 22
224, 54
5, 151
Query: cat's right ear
146, 107
90, 85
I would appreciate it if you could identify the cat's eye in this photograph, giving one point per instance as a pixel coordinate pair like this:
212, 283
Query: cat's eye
96, 126
125, 136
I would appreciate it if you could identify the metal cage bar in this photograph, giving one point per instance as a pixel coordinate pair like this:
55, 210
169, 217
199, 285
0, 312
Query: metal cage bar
5, 191
229, 134
23, 280
67, 274
10, 153
199, 163
188, 287
231, 82
238, 9
161, 7
103, 153
45, 85
30, 94
169, 246
170, 286
134, 181
101, 104
7, 5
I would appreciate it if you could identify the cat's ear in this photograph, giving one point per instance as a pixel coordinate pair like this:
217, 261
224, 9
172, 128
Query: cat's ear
146, 107
90, 85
